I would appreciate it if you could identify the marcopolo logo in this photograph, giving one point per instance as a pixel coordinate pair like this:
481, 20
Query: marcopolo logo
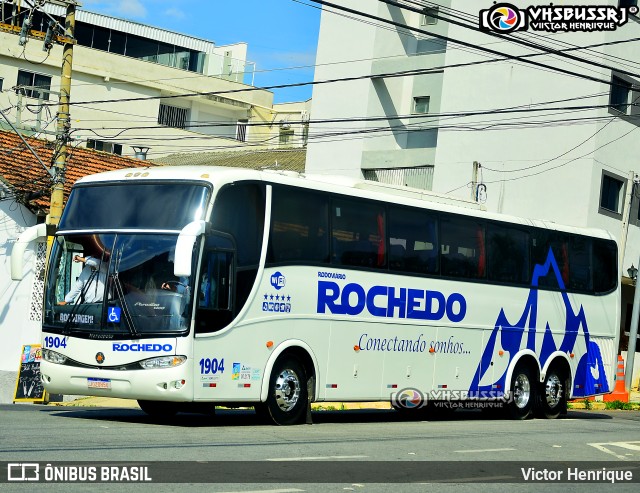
506, 18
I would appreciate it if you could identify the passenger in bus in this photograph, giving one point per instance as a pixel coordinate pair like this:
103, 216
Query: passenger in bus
89, 286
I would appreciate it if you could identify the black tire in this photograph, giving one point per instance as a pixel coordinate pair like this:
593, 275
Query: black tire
522, 393
159, 409
551, 399
287, 398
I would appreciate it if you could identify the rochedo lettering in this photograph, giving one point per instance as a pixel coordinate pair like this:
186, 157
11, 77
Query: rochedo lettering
390, 302
143, 348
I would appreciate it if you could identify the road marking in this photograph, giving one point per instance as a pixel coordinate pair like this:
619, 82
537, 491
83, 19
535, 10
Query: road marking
329, 457
484, 450
472, 480
604, 447
289, 490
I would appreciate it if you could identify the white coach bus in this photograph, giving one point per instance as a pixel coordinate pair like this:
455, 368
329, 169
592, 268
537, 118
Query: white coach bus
220, 286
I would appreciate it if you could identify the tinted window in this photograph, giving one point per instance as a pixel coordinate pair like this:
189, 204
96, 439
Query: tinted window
123, 206
357, 234
580, 271
462, 248
239, 211
605, 265
413, 242
299, 226
547, 246
508, 254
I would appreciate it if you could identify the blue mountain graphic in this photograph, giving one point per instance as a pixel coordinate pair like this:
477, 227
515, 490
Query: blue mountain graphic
509, 337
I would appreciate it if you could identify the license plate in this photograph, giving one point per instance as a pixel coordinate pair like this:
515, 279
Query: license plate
98, 383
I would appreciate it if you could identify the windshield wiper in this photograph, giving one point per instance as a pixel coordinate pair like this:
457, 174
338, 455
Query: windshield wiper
128, 319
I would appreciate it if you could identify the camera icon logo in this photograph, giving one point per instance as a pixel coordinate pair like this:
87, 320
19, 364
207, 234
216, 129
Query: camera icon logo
408, 398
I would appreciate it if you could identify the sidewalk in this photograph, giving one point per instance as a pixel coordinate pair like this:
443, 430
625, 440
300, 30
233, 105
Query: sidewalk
634, 397
132, 404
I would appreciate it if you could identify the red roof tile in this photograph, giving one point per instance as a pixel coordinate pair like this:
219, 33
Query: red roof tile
21, 171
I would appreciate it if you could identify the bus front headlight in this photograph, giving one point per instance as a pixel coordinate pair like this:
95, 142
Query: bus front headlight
162, 362
53, 357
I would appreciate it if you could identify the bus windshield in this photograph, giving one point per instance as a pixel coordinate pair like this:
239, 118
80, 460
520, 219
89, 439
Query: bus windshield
110, 206
116, 285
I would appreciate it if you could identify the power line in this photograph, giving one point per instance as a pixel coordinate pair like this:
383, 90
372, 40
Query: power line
465, 16
471, 45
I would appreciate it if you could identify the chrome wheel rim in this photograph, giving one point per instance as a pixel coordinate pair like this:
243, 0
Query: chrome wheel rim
521, 391
287, 390
553, 390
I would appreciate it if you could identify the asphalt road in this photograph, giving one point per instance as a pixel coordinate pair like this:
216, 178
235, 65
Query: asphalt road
355, 450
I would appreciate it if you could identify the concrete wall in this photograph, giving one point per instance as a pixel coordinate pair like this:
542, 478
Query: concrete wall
16, 326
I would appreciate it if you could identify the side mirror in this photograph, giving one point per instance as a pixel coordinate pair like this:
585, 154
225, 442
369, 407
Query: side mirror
184, 247
19, 247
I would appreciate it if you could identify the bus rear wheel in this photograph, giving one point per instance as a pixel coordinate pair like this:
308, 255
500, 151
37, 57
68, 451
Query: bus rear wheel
159, 409
552, 397
522, 393
287, 398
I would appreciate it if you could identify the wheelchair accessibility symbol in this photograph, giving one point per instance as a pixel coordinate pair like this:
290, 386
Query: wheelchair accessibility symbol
114, 314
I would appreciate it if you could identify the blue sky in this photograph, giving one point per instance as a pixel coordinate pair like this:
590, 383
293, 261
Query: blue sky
279, 33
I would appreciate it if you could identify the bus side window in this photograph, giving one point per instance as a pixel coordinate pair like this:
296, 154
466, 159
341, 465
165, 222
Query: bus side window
358, 234
580, 274
604, 262
299, 224
412, 241
462, 249
508, 254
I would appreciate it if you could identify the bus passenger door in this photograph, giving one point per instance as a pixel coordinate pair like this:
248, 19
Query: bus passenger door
215, 287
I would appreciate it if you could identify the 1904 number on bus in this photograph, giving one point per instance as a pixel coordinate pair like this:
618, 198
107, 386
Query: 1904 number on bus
212, 366
55, 342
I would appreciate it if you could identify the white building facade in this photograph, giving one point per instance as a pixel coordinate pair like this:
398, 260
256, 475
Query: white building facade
547, 145
160, 91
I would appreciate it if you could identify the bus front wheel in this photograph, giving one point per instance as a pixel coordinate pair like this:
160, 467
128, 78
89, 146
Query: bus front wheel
287, 398
522, 393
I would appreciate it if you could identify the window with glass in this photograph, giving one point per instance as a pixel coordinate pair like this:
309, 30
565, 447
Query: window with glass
462, 248
413, 241
33, 85
421, 104
127, 206
120, 284
611, 193
620, 94
507, 254
299, 226
358, 234
239, 212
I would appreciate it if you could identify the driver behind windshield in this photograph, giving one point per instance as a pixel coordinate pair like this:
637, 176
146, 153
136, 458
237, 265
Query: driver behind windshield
89, 286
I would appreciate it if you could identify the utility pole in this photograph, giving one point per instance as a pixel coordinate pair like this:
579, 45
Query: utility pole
64, 120
474, 181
